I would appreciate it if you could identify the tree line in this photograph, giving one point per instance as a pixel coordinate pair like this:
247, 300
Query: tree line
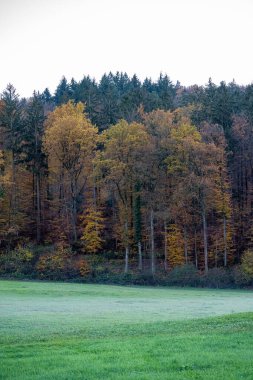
156, 170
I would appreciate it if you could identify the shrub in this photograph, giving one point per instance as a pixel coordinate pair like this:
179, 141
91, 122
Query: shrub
145, 279
82, 267
247, 264
56, 264
99, 270
109, 255
217, 278
239, 277
18, 261
183, 275
50, 265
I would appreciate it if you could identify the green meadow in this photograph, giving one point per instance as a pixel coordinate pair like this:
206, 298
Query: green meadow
74, 331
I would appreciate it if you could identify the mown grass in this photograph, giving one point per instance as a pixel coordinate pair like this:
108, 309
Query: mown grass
73, 331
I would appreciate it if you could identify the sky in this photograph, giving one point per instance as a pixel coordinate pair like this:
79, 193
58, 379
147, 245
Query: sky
190, 40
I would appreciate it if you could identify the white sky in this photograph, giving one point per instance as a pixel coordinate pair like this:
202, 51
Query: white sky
190, 40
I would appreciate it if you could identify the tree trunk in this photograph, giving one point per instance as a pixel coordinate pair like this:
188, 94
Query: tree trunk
185, 246
37, 175
165, 246
94, 195
152, 241
13, 202
74, 210
38, 214
195, 249
205, 238
225, 239
139, 256
136, 207
126, 259
13, 195
216, 254
74, 221
126, 248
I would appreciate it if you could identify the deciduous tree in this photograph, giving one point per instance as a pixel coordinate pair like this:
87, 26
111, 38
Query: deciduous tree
69, 142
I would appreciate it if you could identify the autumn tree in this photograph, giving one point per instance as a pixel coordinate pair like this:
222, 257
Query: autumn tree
240, 165
122, 162
175, 244
156, 182
1, 175
159, 180
92, 228
69, 142
222, 196
195, 165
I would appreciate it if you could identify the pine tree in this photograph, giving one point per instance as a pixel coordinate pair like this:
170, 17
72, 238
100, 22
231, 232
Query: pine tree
63, 92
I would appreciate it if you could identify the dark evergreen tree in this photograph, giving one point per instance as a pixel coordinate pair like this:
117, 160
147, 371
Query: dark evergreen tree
108, 113
248, 102
63, 92
32, 154
46, 96
122, 82
132, 99
166, 92
86, 91
150, 99
11, 122
236, 94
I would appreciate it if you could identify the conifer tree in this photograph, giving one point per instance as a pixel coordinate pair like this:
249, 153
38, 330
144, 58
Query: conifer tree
32, 155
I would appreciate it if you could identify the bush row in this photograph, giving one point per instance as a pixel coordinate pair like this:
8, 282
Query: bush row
58, 263
185, 275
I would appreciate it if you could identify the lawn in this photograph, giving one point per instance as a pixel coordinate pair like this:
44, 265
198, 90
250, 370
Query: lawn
74, 331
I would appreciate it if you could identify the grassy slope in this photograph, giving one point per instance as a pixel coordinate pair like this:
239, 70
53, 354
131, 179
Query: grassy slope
72, 331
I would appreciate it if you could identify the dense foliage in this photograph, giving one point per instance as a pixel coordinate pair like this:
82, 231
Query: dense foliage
160, 172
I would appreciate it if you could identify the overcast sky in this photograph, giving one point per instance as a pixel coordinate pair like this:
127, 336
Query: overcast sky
190, 40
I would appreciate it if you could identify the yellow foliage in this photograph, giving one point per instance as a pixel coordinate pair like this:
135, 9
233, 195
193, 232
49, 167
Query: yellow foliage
50, 262
182, 132
69, 138
25, 254
93, 225
121, 164
69, 142
125, 145
175, 244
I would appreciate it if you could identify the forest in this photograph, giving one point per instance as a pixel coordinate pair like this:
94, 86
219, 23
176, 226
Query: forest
128, 177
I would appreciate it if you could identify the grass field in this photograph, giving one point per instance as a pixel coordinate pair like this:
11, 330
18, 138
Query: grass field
73, 331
